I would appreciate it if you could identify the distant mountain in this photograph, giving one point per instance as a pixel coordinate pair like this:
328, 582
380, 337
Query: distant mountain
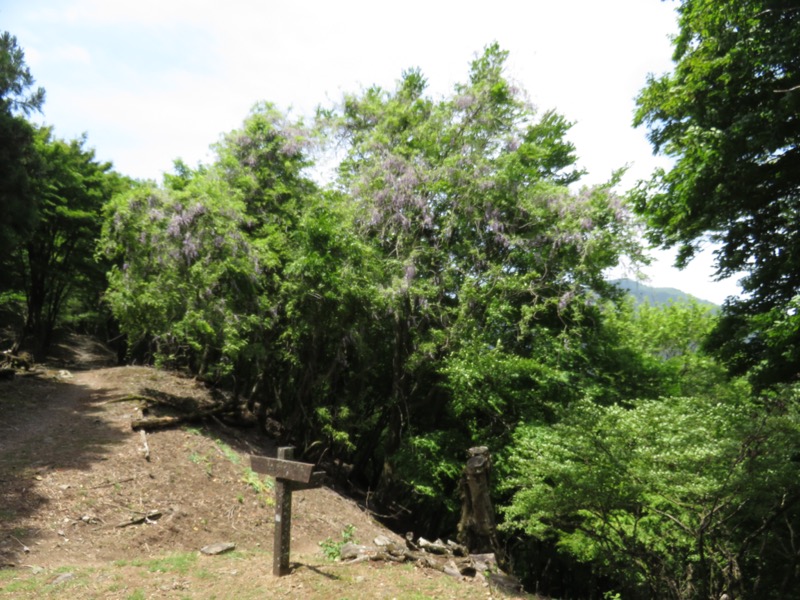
655, 295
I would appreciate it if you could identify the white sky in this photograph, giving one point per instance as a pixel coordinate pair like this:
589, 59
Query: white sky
150, 81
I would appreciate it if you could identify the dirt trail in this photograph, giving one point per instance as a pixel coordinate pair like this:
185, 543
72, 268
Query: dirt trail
75, 488
72, 470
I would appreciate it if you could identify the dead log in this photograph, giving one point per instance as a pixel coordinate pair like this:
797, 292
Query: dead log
150, 423
437, 547
153, 423
438, 556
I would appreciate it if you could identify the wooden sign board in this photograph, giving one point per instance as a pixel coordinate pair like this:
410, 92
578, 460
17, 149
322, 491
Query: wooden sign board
289, 476
282, 469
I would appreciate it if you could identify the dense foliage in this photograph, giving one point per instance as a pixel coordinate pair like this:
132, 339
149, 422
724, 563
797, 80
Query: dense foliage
16, 153
52, 193
446, 289
728, 115
690, 494
491, 265
407, 313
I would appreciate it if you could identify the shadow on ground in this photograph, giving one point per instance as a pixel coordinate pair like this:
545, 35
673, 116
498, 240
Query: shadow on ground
46, 425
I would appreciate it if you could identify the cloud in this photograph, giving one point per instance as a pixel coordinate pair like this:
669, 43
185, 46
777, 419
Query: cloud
146, 12
71, 53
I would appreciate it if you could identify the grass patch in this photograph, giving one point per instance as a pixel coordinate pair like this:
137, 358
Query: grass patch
7, 514
176, 563
261, 486
20, 583
203, 461
228, 452
16, 586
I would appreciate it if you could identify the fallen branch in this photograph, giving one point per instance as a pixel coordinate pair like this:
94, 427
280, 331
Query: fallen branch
102, 485
149, 518
167, 422
130, 398
145, 447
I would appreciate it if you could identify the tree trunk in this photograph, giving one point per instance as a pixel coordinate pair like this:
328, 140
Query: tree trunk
477, 529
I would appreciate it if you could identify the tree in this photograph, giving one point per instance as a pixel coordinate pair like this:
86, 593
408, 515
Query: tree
17, 100
56, 259
491, 265
660, 350
244, 272
681, 492
16, 80
673, 498
178, 255
728, 116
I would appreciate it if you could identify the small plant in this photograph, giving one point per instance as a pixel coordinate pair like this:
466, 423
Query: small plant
200, 459
333, 549
262, 487
228, 452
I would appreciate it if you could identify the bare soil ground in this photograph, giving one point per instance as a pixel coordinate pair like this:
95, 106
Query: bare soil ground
75, 488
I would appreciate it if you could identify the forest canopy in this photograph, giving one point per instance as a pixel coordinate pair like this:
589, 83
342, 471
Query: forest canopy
448, 288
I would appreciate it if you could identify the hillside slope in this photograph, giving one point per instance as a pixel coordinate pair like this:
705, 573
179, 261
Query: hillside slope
657, 295
75, 488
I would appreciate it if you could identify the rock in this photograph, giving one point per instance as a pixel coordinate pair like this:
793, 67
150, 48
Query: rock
451, 569
484, 562
63, 578
456, 549
349, 550
507, 583
382, 540
217, 548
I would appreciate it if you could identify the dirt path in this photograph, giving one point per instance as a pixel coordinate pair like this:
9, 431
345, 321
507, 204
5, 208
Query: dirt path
75, 488
72, 471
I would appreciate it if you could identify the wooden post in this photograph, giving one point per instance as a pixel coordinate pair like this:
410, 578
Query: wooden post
283, 519
289, 476
476, 529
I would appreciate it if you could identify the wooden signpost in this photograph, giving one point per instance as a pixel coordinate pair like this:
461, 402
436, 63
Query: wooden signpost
289, 475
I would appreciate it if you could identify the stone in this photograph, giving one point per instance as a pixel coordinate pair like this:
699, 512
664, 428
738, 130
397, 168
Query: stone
63, 578
217, 548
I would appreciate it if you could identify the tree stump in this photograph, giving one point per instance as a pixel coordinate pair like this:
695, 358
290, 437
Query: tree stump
477, 529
